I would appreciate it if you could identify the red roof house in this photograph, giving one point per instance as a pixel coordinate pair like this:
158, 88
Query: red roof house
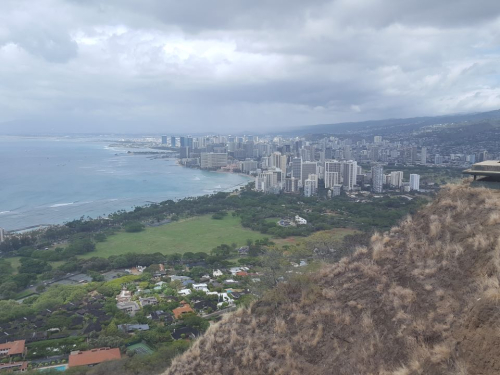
93, 357
13, 348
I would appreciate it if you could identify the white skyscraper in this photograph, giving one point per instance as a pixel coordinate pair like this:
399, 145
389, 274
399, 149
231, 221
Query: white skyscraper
311, 185
269, 181
396, 179
377, 178
349, 174
2, 235
278, 161
333, 170
331, 178
415, 182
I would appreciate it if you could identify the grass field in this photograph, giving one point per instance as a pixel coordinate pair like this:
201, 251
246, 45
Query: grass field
201, 233
337, 233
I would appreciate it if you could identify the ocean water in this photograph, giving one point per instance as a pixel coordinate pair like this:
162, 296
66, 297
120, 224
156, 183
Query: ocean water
54, 180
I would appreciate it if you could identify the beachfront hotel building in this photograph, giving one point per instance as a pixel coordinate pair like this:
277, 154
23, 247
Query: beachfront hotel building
213, 160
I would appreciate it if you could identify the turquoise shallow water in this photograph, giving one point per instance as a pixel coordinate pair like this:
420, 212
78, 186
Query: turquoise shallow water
50, 181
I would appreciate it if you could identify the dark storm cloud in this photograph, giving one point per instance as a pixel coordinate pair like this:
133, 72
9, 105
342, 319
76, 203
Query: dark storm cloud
157, 66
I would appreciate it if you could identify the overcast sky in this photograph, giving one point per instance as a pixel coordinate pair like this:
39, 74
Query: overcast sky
171, 66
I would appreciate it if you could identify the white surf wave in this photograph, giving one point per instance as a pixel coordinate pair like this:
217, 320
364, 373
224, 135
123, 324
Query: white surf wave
4, 212
61, 205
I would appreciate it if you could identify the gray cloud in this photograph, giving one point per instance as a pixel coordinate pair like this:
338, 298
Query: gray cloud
165, 66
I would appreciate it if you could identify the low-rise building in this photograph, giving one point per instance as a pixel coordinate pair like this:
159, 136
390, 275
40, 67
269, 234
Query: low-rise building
13, 348
127, 328
300, 220
14, 366
148, 301
130, 307
217, 273
93, 357
124, 296
201, 287
182, 310
185, 333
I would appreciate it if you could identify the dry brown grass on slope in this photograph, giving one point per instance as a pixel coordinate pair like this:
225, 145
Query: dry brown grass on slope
422, 299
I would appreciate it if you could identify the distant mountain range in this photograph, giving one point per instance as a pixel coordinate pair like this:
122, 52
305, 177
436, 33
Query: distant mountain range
391, 125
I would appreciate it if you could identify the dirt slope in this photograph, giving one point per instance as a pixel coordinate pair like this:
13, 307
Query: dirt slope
422, 299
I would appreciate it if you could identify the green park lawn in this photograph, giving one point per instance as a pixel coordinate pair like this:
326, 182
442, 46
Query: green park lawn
201, 233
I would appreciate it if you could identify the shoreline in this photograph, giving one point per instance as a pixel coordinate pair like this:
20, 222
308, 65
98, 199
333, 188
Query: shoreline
34, 216
37, 227
177, 162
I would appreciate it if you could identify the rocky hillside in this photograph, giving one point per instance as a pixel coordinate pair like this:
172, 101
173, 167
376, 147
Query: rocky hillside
424, 298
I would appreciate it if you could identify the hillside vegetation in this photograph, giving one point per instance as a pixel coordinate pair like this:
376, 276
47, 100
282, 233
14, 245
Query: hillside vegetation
423, 298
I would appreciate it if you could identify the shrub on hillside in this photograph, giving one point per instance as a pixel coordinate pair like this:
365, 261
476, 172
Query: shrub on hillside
134, 227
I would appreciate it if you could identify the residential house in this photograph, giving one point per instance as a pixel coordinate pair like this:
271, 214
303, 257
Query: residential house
128, 307
217, 273
14, 366
127, 328
205, 305
13, 348
185, 333
182, 310
148, 301
201, 287
300, 220
93, 357
124, 296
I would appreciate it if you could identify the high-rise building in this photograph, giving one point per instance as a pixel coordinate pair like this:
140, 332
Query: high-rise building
292, 185
396, 179
347, 152
182, 141
483, 156
438, 159
311, 185
377, 178
212, 160
331, 178
333, 173
247, 166
377, 139
297, 168
278, 161
415, 182
413, 154
336, 190
374, 154
189, 142
423, 155
308, 167
2, 235
184, 152
349, 174
172, 142
164, 139
269, 181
